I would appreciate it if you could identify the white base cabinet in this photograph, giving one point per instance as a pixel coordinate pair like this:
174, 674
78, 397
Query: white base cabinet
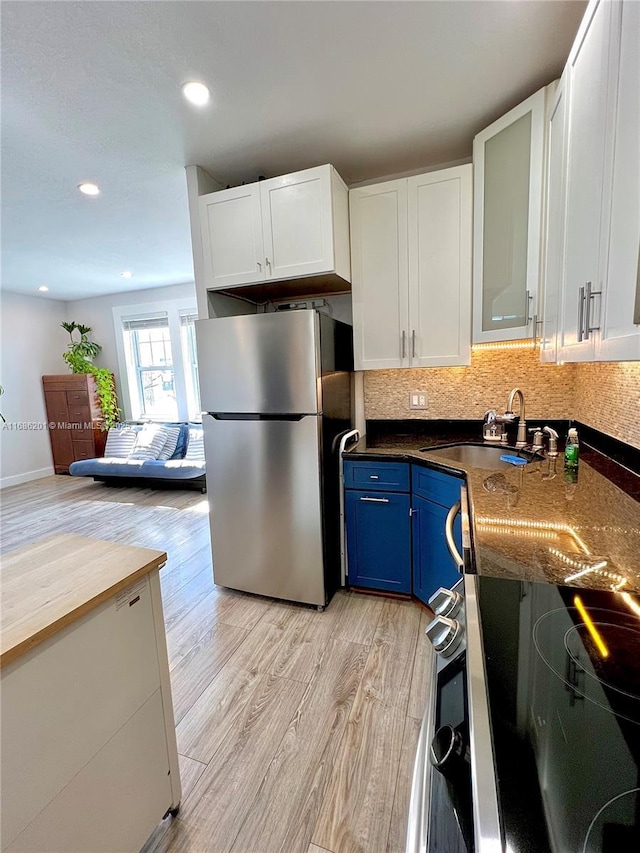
89, 757
411, 267
282, 228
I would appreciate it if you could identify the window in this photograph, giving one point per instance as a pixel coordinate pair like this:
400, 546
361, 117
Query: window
158, 361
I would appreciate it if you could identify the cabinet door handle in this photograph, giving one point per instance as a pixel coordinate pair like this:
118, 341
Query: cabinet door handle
580, 313
268, 263
527, 312
413, 343
451, 542
403, 349
376, 500
259, 265
374, 477
589, 294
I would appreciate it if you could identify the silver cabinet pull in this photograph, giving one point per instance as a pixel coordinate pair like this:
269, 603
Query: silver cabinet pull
403, 338
259, 265
374, 477
451, 542
413, 343
580, 313
376, 500
588, 296
527, 313
268, 263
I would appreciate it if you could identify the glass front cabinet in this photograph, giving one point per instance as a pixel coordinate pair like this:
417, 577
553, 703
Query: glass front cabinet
508, 159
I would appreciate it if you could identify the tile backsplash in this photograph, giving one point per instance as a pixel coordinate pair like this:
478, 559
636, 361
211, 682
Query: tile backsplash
604, 395
607, 397
467, 392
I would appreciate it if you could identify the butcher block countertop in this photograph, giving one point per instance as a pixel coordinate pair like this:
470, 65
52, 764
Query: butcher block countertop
50, 584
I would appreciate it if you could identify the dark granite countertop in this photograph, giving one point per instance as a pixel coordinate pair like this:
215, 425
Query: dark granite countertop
530, 523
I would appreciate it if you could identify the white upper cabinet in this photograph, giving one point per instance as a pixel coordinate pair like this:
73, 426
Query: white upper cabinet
232, 236
590, 81
288, 227
554, 256
619, 337
508, 160
440, 268
411, 262
380, 276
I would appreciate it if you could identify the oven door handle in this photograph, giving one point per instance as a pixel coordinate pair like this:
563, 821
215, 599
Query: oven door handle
451, 542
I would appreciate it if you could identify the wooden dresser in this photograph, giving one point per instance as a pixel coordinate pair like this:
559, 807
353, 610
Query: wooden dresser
75, 419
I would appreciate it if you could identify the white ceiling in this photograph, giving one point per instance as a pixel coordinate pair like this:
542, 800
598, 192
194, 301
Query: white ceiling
91, 91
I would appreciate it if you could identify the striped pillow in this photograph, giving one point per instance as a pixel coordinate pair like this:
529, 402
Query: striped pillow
120, 441
170, 444
195, 447
149, 442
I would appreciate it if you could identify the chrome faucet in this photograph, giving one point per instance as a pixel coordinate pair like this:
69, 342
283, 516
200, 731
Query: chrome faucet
521, 440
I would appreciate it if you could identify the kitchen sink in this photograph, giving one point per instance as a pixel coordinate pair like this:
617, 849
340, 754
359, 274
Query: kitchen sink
479, 455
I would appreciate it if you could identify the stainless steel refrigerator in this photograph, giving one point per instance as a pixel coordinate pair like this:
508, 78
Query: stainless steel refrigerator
276, 395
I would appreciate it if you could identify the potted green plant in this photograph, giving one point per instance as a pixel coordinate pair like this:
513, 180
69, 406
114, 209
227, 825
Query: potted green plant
79, 357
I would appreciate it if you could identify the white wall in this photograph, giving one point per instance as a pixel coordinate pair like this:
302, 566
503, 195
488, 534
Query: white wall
31, 346
98, 313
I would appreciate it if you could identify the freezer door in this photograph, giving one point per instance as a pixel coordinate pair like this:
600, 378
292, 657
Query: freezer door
265, 506
265, 363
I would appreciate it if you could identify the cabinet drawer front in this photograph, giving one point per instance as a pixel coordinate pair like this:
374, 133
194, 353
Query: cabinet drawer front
443, 489
79, 415
387, 476
82, 435
83, 450
379, 540
77, 398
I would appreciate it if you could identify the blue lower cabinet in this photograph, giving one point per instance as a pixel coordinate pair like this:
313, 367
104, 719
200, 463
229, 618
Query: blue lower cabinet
379, 540
433, 565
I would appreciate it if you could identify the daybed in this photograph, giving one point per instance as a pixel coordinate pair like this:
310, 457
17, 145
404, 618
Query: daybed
157, 455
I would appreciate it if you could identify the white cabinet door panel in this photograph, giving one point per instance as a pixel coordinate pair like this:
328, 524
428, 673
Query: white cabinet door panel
64, 699
589, 114
620, 336
115, 801
232, 236
379, 275
297, 223
554, 274
439, 206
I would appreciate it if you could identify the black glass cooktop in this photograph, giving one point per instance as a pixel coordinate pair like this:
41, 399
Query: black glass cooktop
563, 677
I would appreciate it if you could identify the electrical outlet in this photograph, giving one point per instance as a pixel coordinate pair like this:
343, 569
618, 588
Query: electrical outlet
418, 400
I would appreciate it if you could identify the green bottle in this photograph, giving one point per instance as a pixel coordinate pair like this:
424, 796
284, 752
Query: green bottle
571, 450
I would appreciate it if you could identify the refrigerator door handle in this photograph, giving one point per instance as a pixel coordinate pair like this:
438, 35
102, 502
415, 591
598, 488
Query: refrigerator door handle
346, 438
243, 416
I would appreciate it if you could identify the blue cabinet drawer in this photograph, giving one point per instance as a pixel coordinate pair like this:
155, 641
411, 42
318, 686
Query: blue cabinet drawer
443, 489
378, 476
379, 540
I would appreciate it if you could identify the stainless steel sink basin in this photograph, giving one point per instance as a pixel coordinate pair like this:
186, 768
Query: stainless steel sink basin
478, 455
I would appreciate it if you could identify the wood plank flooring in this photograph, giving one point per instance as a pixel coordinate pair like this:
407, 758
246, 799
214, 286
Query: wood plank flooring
296, 730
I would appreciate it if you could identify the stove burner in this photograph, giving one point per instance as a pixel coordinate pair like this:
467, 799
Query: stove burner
626, 832
588, 671
616, 670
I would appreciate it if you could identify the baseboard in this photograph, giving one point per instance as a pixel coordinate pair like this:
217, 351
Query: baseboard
16, 479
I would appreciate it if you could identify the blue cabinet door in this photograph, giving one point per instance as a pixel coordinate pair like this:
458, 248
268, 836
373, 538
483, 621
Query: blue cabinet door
379, 540
433, 565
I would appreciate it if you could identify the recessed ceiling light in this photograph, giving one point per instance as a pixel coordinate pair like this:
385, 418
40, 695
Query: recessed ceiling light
88, 188
196, 93
43, 288
126, 274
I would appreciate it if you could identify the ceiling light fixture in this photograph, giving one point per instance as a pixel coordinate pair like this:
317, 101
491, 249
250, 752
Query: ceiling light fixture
43, 288
89, 188
196, 93
126, 274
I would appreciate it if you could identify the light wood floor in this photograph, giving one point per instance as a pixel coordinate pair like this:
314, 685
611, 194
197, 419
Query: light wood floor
296, 729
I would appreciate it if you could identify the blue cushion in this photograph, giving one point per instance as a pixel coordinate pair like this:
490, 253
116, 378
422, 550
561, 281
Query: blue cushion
172, 469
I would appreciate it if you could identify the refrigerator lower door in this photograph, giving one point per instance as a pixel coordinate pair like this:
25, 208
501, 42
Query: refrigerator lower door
265, 506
